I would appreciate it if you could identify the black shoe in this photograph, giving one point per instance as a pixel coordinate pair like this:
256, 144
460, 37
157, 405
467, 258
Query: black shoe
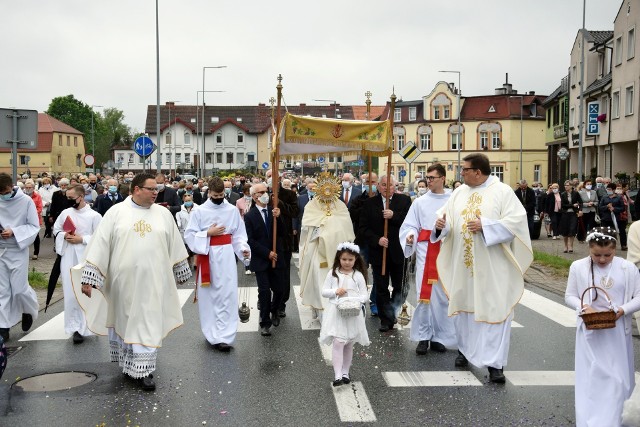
496, 375
223, 347
385, 328
147, 383
282, 313
4, 333
436, 346
338, 382
27, 321
77, 338
275, 319
265, 331
461, 361
345, 380
258, 305
422, 347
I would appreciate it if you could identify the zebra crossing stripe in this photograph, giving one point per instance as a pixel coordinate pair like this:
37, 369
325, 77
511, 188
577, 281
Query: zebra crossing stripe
305, 313
544, 378
431, 379
553, 311
353, 403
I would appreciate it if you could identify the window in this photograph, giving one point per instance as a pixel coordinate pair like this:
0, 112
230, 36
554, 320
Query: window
208, 158
251, 157
229, 157
548, 119
219, 138
455, 137
425, 142
618, 50
615, 105
400, 142
436, 113
239, 157
167, 139
422, 170
187, 158
68, 141
79, 159
240, 137
339, 159
130, 158
187, 138
412, 113
397, 116
23, 159
218, 158
75, 141
178, 158
631, 43
60, 140
59, 160
484, 140
628, 101
167, 158
495, 140
537, 177
572, 114
574, 75
455, 140
445, 112
533, 111
498, 172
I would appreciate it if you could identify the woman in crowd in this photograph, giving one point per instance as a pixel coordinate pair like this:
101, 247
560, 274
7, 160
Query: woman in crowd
589, 199
553, 209
611, 208
571, 205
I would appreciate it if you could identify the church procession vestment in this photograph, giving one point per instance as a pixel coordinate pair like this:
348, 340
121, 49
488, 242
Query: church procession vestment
482, 273
16, 296
430, 318
86, 222
134, 259
604, 358
218, 295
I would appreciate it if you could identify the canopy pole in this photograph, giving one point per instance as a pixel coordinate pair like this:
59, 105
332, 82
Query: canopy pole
386, 221
368, 102
275, 176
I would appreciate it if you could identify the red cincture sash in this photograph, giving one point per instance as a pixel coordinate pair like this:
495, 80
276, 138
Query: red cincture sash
203, 260
430, 274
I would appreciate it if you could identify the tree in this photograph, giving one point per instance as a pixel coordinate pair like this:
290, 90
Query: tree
73, 112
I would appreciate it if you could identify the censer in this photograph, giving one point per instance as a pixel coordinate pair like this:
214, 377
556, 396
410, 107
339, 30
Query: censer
404, 317
244, 312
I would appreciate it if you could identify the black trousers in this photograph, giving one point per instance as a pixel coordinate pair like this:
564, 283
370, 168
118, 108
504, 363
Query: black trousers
286, 280
269, 293
36, 244
386, 301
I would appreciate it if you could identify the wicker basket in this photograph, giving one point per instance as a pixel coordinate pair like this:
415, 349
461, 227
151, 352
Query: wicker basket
349, 306
598, 319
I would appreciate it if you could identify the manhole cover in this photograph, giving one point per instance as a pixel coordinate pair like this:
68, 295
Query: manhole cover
55, 381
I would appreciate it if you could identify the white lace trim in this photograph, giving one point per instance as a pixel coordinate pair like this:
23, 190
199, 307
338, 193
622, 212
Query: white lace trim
136, 365
92, 276
182, 271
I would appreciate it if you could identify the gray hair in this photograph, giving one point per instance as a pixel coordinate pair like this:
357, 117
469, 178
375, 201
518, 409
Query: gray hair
63, 181
384, 177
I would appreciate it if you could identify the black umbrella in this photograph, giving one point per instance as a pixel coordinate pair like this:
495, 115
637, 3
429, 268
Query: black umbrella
53, 281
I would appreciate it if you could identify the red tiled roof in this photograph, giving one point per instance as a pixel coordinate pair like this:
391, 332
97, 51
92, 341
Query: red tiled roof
505, 106
360, 112
224, 122
47, 125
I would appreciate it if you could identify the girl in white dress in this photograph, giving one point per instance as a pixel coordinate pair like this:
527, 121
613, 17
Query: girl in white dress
346, 279
604, 362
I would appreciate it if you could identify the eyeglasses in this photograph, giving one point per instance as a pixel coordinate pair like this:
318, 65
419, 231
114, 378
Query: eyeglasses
431, 178
152, 189
468, 169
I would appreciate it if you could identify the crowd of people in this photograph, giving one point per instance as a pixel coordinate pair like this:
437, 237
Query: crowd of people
355, 237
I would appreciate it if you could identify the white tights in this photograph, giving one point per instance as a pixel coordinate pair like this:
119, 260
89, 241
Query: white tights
342, 357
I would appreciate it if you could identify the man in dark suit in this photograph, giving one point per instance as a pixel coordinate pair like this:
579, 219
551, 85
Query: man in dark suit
349, 191
527, 197
259, 226
372, 219
105, 201
167, 196
288, 204
199, 196
303, 199
231, 196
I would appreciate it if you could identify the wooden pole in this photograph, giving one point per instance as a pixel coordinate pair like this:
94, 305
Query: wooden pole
275, 176
386, 221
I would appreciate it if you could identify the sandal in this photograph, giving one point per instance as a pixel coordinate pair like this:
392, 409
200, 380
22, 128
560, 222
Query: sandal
565, 251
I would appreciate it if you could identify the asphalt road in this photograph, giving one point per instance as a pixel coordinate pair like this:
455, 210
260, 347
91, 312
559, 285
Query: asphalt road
285, 379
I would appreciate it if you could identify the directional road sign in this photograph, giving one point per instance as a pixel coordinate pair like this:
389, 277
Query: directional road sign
410, 152
265, 165
320, 159
402, 173
144, 146
593, 126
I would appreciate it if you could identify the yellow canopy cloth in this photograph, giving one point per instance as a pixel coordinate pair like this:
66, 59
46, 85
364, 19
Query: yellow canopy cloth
308, 135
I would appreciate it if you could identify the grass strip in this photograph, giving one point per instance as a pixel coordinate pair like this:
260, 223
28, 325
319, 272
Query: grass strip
560, 265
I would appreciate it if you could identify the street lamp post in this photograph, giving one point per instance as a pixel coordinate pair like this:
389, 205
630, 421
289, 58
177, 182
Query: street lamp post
203, 92
93, 139
198, 171
521, 108
459, 144
173, 143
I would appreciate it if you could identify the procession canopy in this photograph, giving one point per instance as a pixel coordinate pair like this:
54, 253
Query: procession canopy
313, 135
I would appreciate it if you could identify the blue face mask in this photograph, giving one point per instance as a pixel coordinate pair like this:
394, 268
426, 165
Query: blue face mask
227, 191
6, 197
188, 204
113, 189
311, 193
365, 188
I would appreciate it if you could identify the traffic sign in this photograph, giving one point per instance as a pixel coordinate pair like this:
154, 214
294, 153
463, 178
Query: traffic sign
144, 146
89, 160
410, 152
402, 173
265, 165
360, 162
563, 153
593, 125
320, 159
27, 127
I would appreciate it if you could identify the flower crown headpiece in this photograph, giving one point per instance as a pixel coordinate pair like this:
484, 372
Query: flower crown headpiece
350, 246
597, 236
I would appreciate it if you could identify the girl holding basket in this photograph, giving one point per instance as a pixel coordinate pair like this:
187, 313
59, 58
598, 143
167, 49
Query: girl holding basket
604, 364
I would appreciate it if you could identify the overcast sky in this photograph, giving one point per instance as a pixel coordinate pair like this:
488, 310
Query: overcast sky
104, 52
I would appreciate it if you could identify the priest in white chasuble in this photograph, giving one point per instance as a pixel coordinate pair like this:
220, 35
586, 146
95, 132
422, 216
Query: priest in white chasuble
134, 260
325, 223
216, 233
72, 232
484, 254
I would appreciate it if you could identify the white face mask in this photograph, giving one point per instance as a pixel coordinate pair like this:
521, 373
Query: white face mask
160, 187
346, 184
618, 191
46, 186
264, 199
422, 191
555, 190
269, 182
588, 187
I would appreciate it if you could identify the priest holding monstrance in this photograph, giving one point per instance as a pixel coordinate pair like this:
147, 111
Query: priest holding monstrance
485, 251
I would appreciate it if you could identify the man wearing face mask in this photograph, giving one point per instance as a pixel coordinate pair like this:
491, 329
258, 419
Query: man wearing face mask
167, 196
217, 234
229, 195
46, 193
105, 201
72, 232
601, 188
349, 191
303, 200
19, 226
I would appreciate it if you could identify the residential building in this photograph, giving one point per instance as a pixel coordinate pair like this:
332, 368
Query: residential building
556, 106
60, 150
